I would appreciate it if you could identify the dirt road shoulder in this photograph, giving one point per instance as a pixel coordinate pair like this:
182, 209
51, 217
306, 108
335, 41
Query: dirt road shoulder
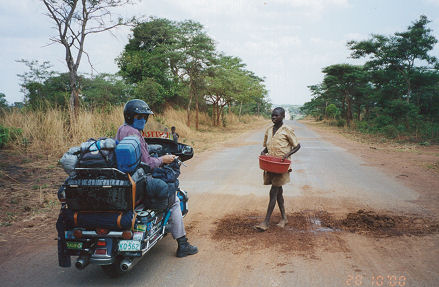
413, 165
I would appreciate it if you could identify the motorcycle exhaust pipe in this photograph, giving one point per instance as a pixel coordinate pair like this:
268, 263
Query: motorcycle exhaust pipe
127, 263
82, 262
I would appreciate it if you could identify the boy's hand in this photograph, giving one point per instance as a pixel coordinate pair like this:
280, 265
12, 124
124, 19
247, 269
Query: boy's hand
168, 158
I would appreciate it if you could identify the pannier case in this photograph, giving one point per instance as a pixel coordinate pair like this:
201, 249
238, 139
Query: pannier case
128, 154
104, 191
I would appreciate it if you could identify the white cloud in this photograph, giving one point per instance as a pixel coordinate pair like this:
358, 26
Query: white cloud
434, 2
356, 36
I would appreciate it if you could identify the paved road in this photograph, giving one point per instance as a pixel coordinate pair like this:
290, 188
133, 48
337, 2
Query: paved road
319, 168
228, 180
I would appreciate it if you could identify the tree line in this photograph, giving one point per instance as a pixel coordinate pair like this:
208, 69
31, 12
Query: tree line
164, 63
395, 91
177, 61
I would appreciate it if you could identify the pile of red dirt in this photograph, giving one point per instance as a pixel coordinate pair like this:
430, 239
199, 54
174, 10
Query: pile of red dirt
381, 224
306, 228
295, 237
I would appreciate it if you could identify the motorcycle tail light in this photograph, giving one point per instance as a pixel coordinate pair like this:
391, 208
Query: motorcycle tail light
102, 231
77, 233
101, 243
101, 251
127, 234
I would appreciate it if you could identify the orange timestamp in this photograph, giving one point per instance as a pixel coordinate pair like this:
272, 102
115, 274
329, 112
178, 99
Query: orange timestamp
392, 280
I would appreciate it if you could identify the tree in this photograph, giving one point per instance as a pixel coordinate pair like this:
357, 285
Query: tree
149, 61
222, 84
400, 52
164, 57
331, 111
346, 81
229, 82
197, 55
37, 82
104, 90
75, 20
397, 89
3, 102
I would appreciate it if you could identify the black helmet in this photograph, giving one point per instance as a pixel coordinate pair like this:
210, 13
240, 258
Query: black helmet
134, 107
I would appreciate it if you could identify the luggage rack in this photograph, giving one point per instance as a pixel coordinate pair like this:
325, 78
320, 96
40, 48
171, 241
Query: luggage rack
108, 172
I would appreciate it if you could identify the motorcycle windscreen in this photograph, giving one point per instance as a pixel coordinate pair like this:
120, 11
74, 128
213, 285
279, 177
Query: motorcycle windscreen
183, 151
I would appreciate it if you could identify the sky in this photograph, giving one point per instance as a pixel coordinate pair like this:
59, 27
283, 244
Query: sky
287, 42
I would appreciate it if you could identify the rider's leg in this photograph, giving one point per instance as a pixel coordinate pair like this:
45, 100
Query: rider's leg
280, 203
158, 188
273, 196
178, 232
176, 224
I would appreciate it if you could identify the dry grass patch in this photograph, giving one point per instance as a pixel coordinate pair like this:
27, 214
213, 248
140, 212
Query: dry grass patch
50, 133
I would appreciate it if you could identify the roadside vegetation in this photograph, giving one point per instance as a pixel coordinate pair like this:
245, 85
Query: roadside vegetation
165, 63
395, 93
50, 133
174, 66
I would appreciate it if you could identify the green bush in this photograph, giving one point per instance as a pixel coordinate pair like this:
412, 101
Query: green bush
224, 120
429, 131
331, 111
363, 126
341, 123
8, 134
14, 133
390, 131
4, 136
383, 120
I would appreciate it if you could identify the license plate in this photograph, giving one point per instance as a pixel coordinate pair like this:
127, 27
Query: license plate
129, 245
74, 245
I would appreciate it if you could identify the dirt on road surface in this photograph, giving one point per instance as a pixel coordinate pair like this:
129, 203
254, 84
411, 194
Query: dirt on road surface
351, 223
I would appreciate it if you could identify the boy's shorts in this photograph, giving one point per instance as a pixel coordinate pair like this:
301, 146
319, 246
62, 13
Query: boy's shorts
276, 179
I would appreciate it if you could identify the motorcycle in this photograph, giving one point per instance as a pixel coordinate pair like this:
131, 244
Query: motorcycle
103, 220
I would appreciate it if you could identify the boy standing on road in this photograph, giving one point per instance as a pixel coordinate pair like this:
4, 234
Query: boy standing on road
279, 141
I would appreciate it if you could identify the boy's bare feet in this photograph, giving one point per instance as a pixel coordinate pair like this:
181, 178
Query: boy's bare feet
262, 227
282, 223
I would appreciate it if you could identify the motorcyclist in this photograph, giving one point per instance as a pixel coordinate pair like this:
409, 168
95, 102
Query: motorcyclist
136, 113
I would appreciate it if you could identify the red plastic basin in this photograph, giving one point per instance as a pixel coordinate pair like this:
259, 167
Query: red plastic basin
274, 164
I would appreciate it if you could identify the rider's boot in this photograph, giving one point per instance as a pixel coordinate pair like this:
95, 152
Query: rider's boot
184, 248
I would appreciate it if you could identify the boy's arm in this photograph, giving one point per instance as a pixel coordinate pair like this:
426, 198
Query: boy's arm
264, 144
294, 150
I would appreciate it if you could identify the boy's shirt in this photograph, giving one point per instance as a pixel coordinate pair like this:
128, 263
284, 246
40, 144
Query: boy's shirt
282, 142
